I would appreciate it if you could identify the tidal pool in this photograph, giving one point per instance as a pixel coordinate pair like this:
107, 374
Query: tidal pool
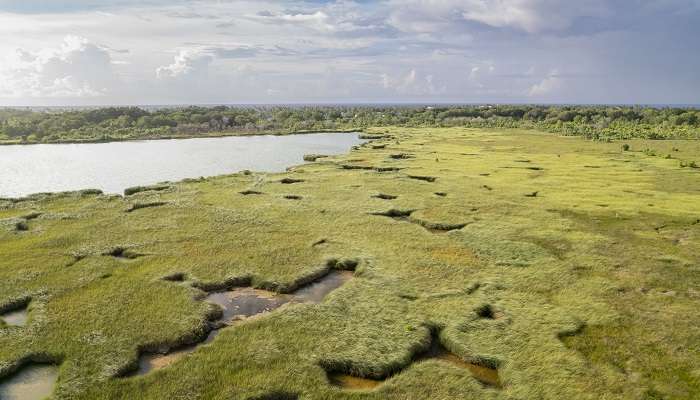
115, 166
485, 375
242, 303
16, 318
34, 382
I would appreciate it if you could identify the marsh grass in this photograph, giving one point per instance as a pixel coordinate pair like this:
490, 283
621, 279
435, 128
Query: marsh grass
546, 266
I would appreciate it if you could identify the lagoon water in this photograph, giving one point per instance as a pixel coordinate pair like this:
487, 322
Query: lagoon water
115, 166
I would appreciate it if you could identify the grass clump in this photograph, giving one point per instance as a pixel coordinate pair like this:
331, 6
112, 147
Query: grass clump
138, 189
313, 157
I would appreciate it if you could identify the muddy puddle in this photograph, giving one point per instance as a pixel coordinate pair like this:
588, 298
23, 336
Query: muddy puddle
15, 318
153, 361
487, 376
242, 303
350, 382
34, 382
315, 292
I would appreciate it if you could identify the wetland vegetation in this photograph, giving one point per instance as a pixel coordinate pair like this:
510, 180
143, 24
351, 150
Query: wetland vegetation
128, 123
486, 263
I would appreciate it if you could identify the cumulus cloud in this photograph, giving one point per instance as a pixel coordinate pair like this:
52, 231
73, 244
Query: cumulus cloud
339, 17
549, 85
411, 83
176, 51
77, 68
186, 62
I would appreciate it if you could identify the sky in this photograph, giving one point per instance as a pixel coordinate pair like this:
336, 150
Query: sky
105, 52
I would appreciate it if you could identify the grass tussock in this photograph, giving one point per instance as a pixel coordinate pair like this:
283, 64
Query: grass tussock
139, 189
313, 157
289, 181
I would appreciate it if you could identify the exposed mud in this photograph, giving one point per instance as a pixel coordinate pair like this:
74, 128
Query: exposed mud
487, 376
350, 382
154, 361
484, 374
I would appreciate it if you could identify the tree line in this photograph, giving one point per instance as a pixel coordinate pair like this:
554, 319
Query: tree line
123, 123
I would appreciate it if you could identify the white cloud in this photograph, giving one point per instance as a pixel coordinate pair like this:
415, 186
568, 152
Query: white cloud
527, 15
175, 51
549, 85
411, 83
186, 62
77, 68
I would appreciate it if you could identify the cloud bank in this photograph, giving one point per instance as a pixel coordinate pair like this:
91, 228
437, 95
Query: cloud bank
220, 51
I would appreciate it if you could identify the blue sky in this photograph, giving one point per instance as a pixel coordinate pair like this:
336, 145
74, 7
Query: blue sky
88, 52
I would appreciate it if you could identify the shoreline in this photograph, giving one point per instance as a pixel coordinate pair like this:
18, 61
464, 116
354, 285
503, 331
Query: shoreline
205, 136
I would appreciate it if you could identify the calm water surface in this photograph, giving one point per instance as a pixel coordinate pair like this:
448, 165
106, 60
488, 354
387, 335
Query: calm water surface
34, 382
115, 166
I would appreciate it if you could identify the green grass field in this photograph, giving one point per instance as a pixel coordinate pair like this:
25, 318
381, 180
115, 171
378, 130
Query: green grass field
586, 256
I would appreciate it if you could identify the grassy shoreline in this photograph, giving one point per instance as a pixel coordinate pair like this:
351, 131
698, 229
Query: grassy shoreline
183, 137
585, 255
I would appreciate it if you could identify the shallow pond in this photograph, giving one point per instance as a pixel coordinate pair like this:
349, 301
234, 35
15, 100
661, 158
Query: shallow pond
15, 318
116, 166
34, 382
242, 303
485, 375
